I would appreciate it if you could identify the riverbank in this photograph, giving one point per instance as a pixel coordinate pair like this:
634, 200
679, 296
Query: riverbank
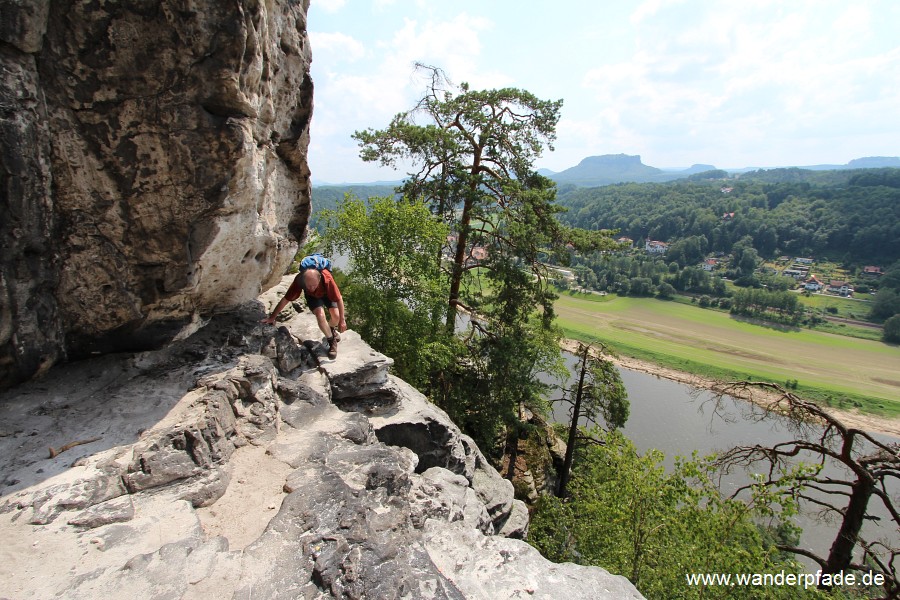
870, 423
850, 374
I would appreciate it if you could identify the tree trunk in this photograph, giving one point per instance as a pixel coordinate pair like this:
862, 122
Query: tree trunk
841, 554
458, 259
461, 241
512, 452
573, 430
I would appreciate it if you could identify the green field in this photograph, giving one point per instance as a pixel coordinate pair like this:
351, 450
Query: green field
848, 308
842, 371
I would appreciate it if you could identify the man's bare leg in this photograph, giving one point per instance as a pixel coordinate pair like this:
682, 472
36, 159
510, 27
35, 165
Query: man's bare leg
335, 322
319, 311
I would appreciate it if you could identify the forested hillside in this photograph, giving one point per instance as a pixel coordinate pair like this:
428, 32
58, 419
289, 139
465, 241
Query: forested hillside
852, 216
327, 197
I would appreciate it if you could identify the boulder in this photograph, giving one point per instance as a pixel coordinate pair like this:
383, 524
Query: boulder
464, 555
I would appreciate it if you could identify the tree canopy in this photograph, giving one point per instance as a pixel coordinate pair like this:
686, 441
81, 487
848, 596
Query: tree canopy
394, 284
599, 395
472, 155
856, 217
627, 513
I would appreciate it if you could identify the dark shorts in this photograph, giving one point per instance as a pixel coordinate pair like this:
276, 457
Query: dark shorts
314, 303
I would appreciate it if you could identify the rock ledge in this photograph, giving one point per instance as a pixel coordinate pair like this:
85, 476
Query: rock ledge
242, 463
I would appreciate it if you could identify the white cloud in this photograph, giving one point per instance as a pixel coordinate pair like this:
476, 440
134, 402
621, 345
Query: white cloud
340, 46
743, 73
385, 83
454, 45
677, 82
331, 6
382, 80
649, 9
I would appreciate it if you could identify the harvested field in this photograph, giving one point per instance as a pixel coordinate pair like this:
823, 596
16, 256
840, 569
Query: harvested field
716, 341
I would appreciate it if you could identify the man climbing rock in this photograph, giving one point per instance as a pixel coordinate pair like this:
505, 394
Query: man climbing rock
320, 290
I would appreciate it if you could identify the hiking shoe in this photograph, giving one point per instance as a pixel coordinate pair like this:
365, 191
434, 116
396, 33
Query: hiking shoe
332, 347
335, 334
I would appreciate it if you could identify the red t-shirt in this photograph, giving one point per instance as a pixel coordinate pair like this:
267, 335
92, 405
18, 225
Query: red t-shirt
327, 288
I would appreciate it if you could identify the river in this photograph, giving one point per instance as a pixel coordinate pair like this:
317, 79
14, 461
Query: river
678, 419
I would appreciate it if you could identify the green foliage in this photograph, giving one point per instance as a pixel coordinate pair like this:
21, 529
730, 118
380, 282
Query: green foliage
833, 213
473, 151
876, 177
711, 174
606, 393
891, 278
892, 330
780, 306
396, 291
665, 291
744, 260
328, 197
628, 515
494, 374
688, 251
886, 304
599, 394
629, 275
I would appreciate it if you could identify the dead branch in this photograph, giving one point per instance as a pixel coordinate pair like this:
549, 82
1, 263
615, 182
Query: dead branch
70, 445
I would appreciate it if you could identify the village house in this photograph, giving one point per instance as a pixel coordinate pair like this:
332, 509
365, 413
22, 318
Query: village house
813, 284
626, 240
709, 264
655, 247
477, 255
804, 261
727, 216
840, 287
795, 273
873, 271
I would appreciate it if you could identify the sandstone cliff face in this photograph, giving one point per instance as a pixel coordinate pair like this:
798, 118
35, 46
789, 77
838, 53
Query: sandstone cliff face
152, 167
241, 463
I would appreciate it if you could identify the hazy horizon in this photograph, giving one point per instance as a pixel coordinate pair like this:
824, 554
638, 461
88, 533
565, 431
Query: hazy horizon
399, 178
678, 82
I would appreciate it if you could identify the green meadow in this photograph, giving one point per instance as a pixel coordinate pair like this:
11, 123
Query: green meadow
841, 371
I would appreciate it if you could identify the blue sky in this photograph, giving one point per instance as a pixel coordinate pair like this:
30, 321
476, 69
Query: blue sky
731, 83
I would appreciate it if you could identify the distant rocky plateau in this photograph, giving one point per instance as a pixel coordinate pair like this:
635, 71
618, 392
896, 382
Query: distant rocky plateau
609, 169
242, 463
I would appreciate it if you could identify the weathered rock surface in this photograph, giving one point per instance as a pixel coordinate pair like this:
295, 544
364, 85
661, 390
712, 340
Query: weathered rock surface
242, 463
152, 167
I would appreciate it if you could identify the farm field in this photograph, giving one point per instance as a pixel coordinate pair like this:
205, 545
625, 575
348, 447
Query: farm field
850, 308
843, 371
